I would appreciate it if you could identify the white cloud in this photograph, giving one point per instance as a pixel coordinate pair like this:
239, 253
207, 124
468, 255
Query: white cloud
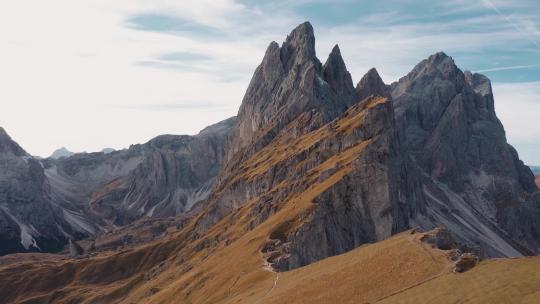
518, 107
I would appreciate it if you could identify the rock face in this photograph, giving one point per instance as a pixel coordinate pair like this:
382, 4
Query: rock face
161, 178
43, 203
467, 177
173, 174
371, 84
29, 218
290, 81
75, 250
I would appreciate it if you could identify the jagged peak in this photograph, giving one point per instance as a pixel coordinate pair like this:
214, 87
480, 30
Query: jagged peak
336, 51
438, 64
439, 57
9, 145
335, 57
3, 132
303, 32
299, 46
479, 83
336, 75
371, 84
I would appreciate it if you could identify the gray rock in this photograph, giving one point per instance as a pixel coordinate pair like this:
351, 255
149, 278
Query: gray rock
362, 206
29, 219
289, 81
336, 75
75, 251
464, 174
161, 178
371, 84
43, 203
438, 157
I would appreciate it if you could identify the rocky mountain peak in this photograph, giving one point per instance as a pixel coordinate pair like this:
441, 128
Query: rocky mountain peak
448, 125
7, 145
336, 75
438, 65
371, 84
288, 82
299, 45
479, 83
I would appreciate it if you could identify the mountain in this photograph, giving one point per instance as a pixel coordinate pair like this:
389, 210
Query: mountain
535, 169
30, 220
462, 172
60, 153
107, 150
324, 191
47, 202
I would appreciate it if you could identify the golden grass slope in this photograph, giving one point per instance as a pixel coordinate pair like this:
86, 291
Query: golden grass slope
493, 281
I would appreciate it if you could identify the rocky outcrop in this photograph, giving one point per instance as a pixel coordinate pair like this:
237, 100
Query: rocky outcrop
371, 84
29, 218
75, 251
338, 78
465, 262
467, 177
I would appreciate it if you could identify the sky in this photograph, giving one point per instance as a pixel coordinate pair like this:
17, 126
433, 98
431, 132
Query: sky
90, 74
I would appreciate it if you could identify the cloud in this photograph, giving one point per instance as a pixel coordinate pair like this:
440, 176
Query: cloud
183, 56
518, 106
525, 31
506, 68
175, 106
172, 25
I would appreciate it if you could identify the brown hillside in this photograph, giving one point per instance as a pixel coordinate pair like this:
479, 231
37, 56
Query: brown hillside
537, 180
493, 281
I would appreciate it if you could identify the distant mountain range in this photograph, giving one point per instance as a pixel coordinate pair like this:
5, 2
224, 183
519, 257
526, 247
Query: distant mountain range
319, 191
77, 195
60, 153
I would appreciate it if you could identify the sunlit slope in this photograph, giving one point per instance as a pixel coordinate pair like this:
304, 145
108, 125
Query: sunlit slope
363, 275
493, 281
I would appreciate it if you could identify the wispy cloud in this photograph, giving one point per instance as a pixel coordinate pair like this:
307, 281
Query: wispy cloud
524, 31
183, 56
506, 68
173, 25
174, 106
